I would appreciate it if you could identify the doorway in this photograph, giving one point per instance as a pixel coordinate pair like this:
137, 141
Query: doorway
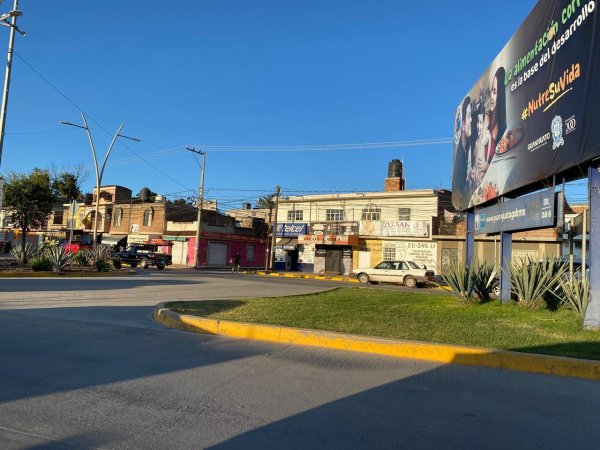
333, 261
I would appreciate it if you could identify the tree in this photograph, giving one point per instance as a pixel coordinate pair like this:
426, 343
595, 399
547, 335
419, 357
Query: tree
266, 202
66, 182
29, 199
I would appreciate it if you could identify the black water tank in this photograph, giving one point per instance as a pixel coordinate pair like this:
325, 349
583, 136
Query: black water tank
395, 169
145, 194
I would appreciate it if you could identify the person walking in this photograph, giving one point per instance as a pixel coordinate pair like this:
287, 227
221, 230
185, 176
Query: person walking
236, 262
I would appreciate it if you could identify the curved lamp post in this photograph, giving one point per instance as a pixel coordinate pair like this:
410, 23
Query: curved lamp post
100, 172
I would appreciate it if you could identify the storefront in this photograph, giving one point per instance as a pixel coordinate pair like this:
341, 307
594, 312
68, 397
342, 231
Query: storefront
289, 255
333, 254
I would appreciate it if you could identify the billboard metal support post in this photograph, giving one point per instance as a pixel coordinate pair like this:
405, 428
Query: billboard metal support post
505, 255
592, 315
470, 244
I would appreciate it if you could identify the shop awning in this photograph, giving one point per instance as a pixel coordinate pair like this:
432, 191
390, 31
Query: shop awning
112, 239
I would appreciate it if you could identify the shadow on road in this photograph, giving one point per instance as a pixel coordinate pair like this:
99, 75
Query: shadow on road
72, 284
308, 405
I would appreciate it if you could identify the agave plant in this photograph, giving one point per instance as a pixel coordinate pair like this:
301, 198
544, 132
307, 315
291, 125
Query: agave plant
531, 280
574, 294
482, 279
59, 257
24, 254
83, 257
459, 277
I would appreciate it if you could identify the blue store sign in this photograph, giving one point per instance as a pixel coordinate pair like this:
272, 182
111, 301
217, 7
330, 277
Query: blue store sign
290, 229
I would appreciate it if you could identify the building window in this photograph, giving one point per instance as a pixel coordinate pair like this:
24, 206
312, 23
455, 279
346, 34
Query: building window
295, 214
250, 253
58, 218
403, 213
147, 217
334, 214
389, 252
118, 217
371, 213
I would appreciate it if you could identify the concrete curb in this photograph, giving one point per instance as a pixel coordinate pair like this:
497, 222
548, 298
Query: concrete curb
305, 276
448, 354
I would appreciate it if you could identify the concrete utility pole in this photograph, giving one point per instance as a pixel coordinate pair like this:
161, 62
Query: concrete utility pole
200, 201
11, 44
274, 228
99, 173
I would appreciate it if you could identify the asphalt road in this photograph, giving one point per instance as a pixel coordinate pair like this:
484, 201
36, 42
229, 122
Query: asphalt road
82, 365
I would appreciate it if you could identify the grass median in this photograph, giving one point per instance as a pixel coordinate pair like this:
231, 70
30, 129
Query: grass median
420, 316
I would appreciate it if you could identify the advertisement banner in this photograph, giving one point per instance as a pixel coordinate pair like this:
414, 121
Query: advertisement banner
391, 228
290, 229
422, 253
525, 213
534, 112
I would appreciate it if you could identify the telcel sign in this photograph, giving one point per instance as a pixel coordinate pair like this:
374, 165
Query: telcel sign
525, 213
290, 229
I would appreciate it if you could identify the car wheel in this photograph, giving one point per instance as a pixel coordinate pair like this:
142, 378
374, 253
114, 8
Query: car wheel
160, 266
363, 278
496, 289
410, 282
144, 263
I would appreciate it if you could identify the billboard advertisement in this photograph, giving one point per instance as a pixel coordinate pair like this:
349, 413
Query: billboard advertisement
534, 112
531, 211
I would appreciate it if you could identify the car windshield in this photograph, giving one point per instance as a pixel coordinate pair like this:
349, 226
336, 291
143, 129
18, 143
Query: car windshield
412, 265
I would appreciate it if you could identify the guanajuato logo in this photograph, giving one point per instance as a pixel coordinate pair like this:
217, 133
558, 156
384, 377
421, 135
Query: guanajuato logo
557, 132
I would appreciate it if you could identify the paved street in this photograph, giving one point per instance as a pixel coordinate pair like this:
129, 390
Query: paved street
82, 365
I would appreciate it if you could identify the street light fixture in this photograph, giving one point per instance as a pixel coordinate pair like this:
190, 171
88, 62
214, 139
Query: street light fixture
99, 173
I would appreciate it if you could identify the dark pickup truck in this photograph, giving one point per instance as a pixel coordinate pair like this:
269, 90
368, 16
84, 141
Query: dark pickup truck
145, 255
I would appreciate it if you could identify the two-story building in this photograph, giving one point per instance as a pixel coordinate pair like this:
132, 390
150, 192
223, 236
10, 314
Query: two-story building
335, 233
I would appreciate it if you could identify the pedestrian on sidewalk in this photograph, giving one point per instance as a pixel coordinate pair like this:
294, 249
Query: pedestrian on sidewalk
236, 262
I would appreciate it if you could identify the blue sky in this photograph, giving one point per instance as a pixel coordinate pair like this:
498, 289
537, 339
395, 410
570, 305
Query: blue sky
248, 76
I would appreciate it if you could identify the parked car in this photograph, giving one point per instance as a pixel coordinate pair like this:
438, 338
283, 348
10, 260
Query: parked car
405, 272
144, 255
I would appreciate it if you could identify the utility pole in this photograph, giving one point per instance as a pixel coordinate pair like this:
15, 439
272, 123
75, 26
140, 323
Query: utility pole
11, 45
200, 201
274, 228
99, 173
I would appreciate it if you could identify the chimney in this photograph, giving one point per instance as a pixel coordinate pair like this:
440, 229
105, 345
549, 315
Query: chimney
394, 181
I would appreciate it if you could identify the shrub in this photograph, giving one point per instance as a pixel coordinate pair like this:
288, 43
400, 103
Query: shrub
24, 255
574, 294
532, 281
482, 279
40, 263
83, 257
459, 278
59, 257
103, 264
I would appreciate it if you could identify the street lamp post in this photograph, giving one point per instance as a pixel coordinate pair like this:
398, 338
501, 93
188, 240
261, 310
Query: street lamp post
11, 42
99, 173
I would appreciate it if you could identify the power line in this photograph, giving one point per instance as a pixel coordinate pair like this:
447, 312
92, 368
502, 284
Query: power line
37, 72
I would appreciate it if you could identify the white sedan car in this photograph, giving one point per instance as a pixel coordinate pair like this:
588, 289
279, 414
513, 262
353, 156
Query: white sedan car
405, 272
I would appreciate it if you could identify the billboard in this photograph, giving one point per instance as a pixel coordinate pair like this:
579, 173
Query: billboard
534, 112
531, 211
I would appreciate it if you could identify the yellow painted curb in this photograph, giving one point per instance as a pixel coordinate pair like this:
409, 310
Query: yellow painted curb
449, 354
